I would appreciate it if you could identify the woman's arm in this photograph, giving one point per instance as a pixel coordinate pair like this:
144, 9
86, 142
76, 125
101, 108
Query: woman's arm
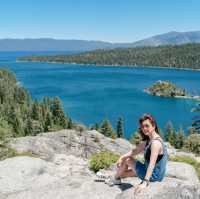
139, 148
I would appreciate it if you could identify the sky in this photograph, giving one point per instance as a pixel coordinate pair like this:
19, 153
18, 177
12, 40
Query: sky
104, 20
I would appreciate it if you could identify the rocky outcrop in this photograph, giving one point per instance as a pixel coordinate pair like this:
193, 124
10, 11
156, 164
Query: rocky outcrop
70, 142
182, 171
61, 171
68, 176
167, 189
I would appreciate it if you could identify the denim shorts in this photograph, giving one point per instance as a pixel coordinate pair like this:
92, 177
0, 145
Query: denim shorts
141, 169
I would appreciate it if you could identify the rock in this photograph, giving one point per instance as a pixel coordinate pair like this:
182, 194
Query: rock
182, 171
167, 189
20, 173
61, 170
187, 154
68, 176
82, 144
64, 177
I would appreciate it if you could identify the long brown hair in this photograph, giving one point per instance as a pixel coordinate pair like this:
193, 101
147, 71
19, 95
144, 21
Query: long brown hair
149, 117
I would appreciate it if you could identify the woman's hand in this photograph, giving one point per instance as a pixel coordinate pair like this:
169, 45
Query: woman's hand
140, 187
120, 161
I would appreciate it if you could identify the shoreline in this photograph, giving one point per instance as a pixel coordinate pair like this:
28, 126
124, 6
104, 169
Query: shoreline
115, 65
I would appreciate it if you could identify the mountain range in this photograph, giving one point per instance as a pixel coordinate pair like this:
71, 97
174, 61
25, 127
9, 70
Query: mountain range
50, 44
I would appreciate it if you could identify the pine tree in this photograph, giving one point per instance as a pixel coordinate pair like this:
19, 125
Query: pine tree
196, 119
46, 101
95, 127
136, 138
191, 131
48, 122
70, 124
35, 111
16, 122
5, 132
25, 116
170, 134
37, 127
58, 114
180, 138
29, 127
107, 129
120, 129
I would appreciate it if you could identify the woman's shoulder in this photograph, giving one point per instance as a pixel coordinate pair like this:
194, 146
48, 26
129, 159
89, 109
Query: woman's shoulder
157, 141
158, 138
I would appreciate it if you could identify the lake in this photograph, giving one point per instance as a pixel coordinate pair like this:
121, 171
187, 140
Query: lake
91, 93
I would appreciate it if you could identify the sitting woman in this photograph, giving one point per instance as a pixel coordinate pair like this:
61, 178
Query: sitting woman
155, 157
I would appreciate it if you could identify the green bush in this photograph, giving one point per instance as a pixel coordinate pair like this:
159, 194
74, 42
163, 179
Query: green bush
6, 152
188, 160
192, 143
102, 160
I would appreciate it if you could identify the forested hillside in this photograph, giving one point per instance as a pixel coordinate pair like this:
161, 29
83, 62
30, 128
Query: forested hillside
179, 56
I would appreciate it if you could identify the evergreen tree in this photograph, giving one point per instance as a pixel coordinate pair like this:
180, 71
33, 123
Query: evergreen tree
46, 101
5, 132
196, 119
16, 122
29, 127
191, 131
36, 111
107, 129
180, 138
21, 96
70, 124
36, 127
95, 127
136, 138
25, 116
58, 113
48, 122
170, 134
120, 129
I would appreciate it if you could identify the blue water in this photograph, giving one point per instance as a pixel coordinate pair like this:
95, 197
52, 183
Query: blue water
91, 93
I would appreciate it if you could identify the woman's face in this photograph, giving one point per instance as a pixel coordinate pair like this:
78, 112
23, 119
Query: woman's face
147, 127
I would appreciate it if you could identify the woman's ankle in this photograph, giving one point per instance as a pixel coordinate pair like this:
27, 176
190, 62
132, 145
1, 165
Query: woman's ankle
117, 177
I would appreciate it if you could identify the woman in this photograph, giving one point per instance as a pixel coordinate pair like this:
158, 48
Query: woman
155, 157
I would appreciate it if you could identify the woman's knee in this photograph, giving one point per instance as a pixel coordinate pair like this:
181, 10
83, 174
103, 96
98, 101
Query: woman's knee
130, 162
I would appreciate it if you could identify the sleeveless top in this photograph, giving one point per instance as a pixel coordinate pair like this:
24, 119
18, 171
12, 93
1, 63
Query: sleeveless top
148, 151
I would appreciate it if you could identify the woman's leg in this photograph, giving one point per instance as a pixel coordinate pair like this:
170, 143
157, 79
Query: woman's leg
123, 171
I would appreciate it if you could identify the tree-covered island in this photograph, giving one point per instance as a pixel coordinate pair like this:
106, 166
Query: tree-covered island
168, 89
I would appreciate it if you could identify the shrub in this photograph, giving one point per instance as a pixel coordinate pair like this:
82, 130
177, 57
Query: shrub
7, 152
192, 143
102, 160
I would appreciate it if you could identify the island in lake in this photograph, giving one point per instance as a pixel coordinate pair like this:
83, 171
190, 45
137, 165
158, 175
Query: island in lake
167, 89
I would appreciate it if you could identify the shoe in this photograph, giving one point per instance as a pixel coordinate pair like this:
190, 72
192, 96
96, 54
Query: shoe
101, 177
113, 181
